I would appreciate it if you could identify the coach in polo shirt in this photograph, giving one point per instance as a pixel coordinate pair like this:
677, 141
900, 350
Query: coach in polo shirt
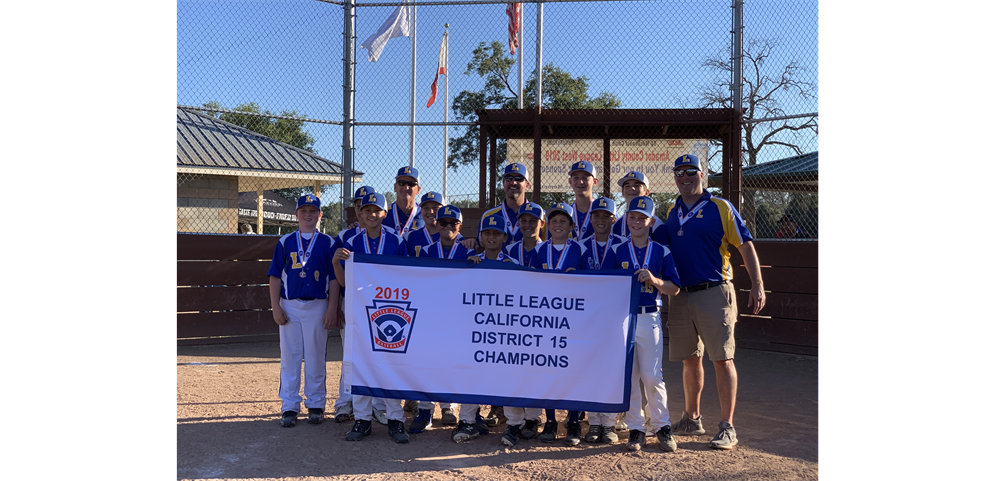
699, 230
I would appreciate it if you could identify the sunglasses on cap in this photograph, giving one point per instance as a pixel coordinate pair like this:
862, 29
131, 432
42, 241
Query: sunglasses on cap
681, 173
407, 183
514, 178
447, 222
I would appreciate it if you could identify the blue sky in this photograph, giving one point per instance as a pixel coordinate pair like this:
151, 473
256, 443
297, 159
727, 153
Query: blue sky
286, 55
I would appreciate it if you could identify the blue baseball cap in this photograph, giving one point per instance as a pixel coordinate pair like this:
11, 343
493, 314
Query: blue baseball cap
362, 191
687, 159
493, 222
374, 198
583, 166
432, 197
407, 172
308, 199
635, 174
561, 207
449, 212
643, 205
605, 204
516, 168
533, 209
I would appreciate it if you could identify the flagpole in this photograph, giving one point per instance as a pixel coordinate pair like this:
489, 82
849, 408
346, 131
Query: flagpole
539, 57
445, 128
414, 61
521, 57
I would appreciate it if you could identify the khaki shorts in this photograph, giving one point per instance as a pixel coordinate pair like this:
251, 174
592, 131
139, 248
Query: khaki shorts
703, 321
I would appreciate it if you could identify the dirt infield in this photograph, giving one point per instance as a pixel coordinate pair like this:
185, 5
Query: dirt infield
228, 428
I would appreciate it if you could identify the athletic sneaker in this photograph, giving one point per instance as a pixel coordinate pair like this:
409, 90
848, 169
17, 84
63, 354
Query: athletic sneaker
510, 436
289, 419
687, 426
549, 431
421, 422
449, 416
380, 416
637, 439
496, 416
396, 431
479, 423
315, 415
465, 431
530, 429
666, 438
608, 435
360, 429
573, 433
343, 413
726, 438
410, 406
593, 434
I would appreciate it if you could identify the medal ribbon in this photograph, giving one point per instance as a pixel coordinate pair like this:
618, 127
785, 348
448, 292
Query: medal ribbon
581, 226
684, 218
507, 219
562, 258
500, 256
366, 238
452, 253
407, 224
301, 254
646, 258
599, 259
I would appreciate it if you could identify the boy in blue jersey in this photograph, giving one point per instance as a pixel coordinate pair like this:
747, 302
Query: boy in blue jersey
653, 265
418, 240
699, 230
583, 178
492, 235
599, 253
450, 220
374, 240
301, 279
531, 220
560, 253
635, 184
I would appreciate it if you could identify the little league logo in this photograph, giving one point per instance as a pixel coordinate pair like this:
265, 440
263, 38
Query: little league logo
390, 325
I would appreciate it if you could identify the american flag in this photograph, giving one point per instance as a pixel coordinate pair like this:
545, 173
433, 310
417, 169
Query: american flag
514, 12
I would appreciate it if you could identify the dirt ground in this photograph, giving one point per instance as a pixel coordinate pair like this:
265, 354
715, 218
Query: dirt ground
228, 427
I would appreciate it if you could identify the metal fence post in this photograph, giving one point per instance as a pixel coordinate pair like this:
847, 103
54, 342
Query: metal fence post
348, 104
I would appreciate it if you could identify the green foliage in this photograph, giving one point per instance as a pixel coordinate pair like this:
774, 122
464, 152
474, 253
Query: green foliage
331, 218
560, 91
288, 131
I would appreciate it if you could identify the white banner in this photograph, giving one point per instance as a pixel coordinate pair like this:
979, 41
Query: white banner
493, 333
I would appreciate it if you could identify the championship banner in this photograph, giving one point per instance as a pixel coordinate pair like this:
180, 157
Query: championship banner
491, 333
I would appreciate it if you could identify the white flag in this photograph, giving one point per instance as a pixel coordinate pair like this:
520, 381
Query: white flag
397, 25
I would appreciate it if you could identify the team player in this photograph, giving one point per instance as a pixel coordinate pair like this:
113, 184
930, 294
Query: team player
516, 183
583, 179
653, 266
404, 215
560, 253
374, 240
450, 220
700, 228
599, 253
635, 184
531, 221
419, 239
301, 279
493, 235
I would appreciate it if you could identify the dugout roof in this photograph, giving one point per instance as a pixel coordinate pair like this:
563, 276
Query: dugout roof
793, 174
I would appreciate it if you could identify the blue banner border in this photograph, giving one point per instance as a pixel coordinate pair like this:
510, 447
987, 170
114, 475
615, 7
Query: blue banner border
503, 400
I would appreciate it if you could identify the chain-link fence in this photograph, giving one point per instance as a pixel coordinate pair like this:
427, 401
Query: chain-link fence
306, 123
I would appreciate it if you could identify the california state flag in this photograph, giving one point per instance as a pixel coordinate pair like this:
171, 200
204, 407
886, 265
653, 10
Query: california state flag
443, 62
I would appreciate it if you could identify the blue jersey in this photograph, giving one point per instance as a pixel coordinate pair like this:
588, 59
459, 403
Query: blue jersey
399, 221
348, 233
582, 224
438, 251
621, 228
502, 257
528, 258
393, 245
701, 244
511, 223
661, 264
554, 259
597, 257
419, 240
317, 270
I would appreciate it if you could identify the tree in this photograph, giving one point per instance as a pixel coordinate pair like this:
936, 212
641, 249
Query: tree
288, 131
762, 98
560, 91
